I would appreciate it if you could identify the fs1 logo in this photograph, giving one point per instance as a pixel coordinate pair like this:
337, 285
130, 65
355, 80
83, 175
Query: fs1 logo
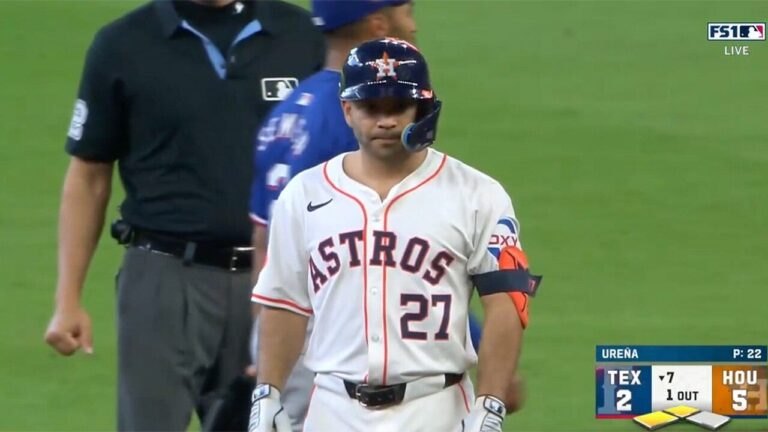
736, 31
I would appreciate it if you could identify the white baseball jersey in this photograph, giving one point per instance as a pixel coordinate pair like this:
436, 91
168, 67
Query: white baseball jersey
388, 282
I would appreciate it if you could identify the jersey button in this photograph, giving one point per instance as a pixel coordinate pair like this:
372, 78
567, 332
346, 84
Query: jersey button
374, 291
375, 338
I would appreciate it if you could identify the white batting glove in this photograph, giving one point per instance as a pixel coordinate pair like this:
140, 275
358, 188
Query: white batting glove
267, 413
486, 415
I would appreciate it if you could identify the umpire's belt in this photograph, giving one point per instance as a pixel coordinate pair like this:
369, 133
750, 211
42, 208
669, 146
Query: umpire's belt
373, 396
230, 258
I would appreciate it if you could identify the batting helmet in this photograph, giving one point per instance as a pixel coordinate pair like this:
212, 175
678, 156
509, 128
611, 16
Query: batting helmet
393, 68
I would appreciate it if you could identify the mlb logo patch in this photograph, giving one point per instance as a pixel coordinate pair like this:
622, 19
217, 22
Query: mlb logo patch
736, 31
277, 89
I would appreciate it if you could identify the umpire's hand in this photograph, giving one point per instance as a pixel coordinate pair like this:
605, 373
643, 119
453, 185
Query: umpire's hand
70, 330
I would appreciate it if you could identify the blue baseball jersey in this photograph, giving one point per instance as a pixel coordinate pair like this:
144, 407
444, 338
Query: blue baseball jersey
304, 130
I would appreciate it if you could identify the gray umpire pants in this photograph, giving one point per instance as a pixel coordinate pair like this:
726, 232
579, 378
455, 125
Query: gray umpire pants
183, 336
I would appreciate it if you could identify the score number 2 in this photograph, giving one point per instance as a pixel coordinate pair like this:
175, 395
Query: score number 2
623, 399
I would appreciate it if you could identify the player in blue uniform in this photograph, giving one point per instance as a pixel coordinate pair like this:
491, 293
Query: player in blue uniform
294, 123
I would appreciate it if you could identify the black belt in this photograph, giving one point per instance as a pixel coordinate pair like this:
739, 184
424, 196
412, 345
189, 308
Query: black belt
377, 396
230, 258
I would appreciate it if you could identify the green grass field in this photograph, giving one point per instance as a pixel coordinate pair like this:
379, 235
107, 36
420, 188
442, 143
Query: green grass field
635, 151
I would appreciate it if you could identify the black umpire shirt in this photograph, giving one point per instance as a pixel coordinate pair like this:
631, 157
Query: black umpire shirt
179, 114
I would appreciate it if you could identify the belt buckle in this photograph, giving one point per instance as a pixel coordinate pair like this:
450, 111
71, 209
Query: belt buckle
236, 256
359, 395
371, 396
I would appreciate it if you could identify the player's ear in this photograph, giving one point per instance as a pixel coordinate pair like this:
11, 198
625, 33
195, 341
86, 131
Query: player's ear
378, 25
346, 108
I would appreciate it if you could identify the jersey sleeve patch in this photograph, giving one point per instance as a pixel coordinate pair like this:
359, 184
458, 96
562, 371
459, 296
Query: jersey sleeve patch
505, 234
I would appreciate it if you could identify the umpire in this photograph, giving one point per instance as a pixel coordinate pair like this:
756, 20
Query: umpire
173, 91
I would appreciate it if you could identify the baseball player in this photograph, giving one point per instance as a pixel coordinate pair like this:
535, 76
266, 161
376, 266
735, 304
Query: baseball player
309, 128
382, 247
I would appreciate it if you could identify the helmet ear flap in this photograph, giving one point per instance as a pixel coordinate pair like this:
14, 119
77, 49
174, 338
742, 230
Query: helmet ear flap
423, 108
421, 134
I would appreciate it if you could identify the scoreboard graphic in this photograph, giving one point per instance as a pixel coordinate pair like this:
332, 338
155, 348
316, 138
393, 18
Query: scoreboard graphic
660, 385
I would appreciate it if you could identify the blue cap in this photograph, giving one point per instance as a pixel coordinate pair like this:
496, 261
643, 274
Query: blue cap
332, 14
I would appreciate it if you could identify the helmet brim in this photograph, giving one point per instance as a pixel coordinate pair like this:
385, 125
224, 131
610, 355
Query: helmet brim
385, 89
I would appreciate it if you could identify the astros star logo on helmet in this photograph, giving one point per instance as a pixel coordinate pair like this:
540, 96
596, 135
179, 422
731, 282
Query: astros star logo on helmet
386, 67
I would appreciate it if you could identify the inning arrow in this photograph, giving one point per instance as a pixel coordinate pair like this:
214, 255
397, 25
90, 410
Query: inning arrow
661, 377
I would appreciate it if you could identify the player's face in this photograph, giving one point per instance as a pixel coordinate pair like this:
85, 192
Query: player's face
402, 24
379, 123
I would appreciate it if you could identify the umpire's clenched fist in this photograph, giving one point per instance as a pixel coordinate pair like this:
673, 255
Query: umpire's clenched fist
70, 330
